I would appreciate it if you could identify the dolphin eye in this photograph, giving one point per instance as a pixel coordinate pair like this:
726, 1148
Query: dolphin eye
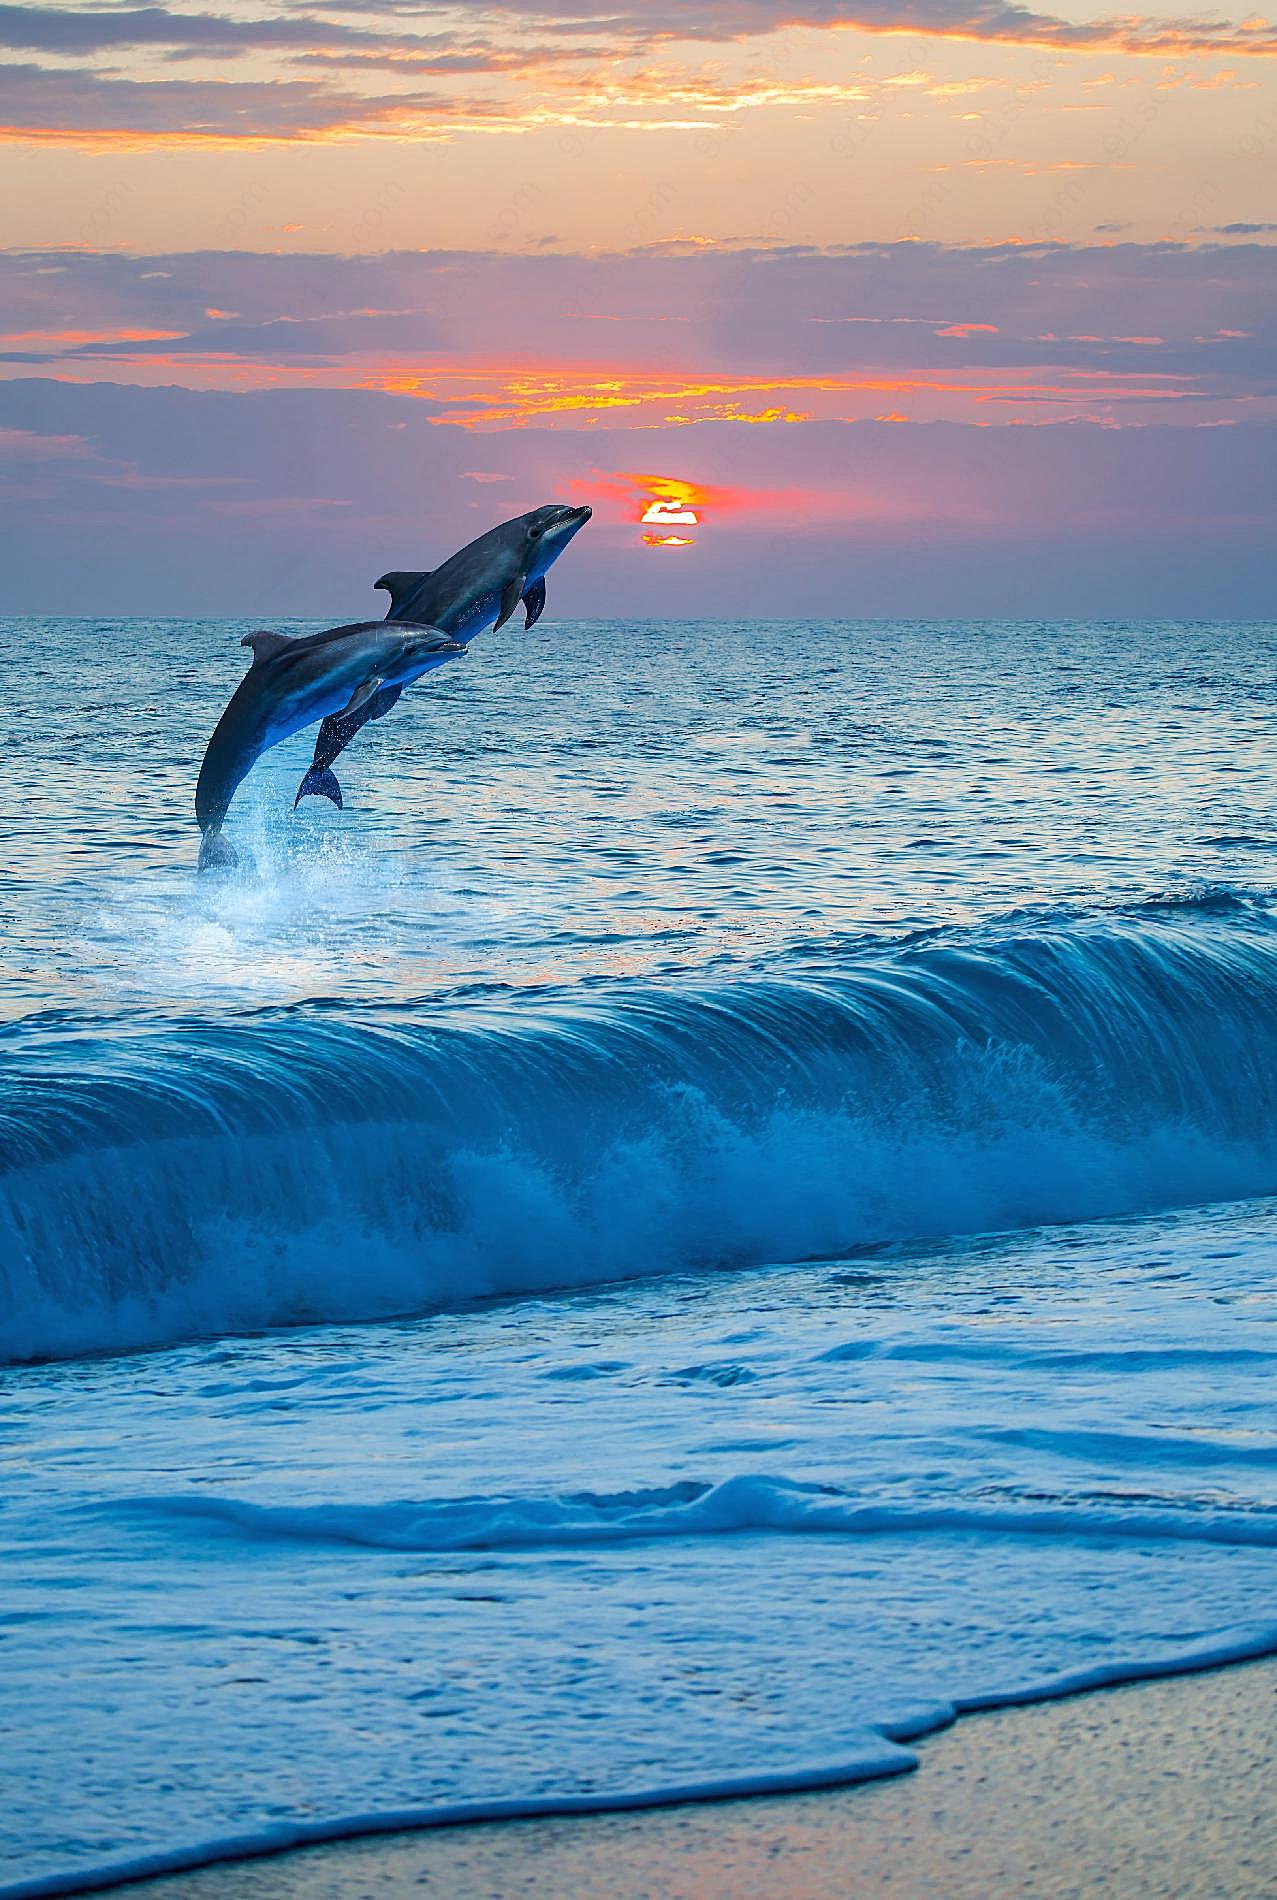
535, 531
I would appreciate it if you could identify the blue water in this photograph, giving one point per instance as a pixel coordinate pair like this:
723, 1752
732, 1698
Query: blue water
724, 1209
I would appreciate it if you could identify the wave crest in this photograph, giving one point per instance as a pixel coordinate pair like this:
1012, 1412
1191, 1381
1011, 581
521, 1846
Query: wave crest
203, 1177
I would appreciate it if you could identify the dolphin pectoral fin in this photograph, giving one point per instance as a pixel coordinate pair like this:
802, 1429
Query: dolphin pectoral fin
534, 601
361, 695
381, 703
399, 584
319, 782
511, 595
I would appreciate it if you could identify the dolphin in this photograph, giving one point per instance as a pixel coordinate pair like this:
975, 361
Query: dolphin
478, 587
290, 684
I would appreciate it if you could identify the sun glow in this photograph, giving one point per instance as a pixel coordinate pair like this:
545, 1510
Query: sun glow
670, 514
669, 505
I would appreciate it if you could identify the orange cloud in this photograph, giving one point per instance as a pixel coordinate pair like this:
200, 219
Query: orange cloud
77, 339
487, 395
614, 71
482, 396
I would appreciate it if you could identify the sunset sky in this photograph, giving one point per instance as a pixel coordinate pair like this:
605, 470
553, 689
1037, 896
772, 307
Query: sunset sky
907, 306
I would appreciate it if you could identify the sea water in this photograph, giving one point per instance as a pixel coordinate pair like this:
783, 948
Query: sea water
720, 1212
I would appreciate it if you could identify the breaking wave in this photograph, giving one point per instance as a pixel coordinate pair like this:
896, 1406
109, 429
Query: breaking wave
173, 1179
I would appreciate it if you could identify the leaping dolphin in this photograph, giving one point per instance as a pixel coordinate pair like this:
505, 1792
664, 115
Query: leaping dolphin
478, 587
290, 684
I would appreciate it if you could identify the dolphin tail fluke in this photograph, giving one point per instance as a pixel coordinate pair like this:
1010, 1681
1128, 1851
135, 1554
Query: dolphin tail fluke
319, 782
217, 853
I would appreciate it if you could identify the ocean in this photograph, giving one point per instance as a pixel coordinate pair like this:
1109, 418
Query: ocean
723, 1211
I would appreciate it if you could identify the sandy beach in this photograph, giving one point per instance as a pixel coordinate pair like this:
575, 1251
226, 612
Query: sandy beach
1158, 1789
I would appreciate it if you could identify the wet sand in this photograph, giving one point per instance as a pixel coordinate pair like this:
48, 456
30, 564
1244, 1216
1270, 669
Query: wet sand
1158, 1789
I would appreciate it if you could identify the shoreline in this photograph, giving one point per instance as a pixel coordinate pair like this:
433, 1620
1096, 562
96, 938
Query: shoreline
1174, 1755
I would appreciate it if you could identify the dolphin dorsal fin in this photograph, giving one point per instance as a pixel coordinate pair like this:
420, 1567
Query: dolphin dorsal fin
265, 645
399, 584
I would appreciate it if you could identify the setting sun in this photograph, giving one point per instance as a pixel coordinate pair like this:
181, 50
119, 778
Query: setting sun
669, 505
669, 513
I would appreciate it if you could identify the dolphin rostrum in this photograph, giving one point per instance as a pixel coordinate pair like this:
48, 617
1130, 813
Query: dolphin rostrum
479, 587
293, 682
